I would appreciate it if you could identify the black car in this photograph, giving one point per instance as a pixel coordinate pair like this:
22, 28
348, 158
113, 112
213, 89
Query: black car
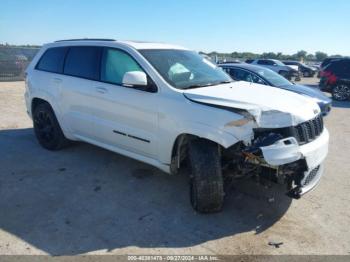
307, 71
328, 60
264, 76
335, 78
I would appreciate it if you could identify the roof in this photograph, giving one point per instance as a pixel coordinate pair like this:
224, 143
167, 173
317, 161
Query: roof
253, 68
134, 44
150, 45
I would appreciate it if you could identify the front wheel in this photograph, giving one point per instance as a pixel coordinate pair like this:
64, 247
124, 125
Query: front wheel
341, 92
47, 129
206, 181
306, 73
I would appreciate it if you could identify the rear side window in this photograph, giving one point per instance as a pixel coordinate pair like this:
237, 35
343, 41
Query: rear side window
266, 62
83, 61
241, 75
52, 60
340, 67
262, 62
115, 64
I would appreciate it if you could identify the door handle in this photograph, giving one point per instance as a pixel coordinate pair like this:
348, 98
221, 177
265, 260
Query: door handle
101, 90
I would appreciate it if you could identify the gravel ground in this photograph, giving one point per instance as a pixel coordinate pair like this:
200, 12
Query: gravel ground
86, 200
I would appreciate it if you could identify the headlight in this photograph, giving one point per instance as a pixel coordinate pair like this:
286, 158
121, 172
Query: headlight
275, 119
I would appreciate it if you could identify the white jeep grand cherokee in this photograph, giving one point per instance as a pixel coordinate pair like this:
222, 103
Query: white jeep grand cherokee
171, 108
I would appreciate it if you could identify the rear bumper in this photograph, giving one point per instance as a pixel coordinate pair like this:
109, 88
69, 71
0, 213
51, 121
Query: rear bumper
323, 85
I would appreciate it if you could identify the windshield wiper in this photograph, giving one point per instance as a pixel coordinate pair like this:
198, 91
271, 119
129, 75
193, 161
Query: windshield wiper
198, 85
207, 84
224, 82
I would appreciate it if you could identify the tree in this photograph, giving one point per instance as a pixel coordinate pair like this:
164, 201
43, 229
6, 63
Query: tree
310, 57
301, 54
320, 56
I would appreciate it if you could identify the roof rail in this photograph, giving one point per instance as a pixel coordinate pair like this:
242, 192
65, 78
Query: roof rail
86, 39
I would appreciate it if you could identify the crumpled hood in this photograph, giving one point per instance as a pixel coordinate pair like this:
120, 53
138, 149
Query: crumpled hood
271, 107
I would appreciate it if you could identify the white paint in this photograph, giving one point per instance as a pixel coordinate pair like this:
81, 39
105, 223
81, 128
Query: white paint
91, 111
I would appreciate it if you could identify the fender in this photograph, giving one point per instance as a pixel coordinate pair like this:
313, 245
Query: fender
167, 140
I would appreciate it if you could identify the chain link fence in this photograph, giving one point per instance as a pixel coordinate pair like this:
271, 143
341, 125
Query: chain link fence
14, 61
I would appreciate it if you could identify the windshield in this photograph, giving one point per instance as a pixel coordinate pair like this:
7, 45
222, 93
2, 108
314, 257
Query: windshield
185, 69
274, 78
278, 63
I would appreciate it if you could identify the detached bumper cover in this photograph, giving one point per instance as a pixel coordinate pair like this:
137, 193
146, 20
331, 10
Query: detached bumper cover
287, 150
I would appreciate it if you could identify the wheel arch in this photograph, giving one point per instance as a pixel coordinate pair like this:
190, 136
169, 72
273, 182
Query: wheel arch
37, 101
180, 146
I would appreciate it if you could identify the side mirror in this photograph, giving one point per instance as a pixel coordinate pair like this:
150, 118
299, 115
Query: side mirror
135, 78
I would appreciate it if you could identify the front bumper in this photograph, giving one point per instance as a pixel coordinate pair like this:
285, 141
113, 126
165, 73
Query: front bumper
287, 151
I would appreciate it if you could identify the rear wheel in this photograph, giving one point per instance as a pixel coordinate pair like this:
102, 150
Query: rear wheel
341, 92
47, 129
206, 181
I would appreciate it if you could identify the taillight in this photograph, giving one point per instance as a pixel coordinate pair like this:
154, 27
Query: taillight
324, 73
330, 77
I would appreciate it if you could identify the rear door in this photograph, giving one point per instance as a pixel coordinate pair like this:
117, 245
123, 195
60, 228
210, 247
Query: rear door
342, 71
81, 75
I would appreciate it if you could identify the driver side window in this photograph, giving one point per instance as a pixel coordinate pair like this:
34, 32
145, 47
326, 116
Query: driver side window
258, 80
115, 63
241, 75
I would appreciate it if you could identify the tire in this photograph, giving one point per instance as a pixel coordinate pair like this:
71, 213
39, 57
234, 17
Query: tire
206, 181
47, 129
341, 92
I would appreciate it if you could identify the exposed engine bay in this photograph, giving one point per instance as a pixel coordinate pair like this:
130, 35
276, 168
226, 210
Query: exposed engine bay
241, 161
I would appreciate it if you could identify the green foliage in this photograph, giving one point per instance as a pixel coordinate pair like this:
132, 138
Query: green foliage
299, 56
320, 56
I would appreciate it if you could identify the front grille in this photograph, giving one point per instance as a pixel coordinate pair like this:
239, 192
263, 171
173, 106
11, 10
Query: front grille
310, 176
309, 130
305, 132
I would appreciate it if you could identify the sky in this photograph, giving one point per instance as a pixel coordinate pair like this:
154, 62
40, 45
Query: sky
203, 25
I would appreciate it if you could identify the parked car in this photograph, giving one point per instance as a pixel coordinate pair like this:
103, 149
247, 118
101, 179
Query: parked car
328, 60
169, 107
234, 61
306, 71
265, 76
277, 66
335, 78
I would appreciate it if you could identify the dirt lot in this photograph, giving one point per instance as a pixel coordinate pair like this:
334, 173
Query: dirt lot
88, 200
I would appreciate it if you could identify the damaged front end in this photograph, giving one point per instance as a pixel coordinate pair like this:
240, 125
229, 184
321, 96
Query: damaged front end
276, 154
